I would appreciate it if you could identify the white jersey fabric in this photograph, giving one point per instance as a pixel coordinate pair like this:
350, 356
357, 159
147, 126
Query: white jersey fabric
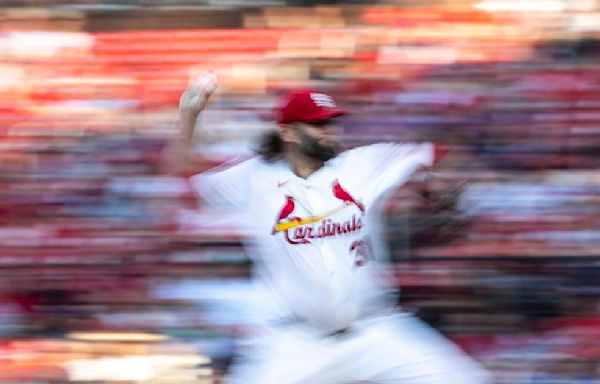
313, 239
315, 243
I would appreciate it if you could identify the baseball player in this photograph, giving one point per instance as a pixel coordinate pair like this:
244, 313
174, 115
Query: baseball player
313, 212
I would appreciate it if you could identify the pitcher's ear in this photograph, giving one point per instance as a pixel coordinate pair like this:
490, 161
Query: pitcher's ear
287, 132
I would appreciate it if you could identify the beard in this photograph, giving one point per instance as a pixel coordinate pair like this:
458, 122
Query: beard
312, 148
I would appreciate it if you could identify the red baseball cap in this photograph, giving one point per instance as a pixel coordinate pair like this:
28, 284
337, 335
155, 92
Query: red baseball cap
308, 106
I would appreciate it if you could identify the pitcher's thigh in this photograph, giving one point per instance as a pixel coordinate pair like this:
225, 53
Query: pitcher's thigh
287, 358
401, 349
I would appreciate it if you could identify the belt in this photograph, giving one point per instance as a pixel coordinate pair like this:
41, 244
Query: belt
340, 333
293, 321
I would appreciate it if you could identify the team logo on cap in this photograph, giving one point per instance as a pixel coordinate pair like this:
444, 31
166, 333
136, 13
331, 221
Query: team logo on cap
322, 100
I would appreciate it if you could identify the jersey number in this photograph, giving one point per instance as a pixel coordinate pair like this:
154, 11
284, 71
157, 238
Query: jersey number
361, 251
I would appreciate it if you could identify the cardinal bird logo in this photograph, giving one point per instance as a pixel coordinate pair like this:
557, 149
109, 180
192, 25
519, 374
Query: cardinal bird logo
342, 194
286, 210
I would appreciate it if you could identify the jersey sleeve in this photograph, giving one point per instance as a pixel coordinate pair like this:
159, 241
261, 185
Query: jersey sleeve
227, 185
386, 166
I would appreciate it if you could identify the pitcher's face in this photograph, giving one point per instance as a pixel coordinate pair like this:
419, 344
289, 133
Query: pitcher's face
318, 140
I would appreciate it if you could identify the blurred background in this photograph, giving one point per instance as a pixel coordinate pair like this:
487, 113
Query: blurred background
109, 273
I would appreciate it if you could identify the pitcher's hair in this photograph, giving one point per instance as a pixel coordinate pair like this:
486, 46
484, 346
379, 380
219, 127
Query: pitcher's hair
270, 146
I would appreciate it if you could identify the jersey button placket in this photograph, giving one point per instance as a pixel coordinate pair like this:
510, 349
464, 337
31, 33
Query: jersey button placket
311, 204
319, 197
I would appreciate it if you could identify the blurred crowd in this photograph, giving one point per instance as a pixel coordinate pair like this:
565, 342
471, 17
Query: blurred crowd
110, 272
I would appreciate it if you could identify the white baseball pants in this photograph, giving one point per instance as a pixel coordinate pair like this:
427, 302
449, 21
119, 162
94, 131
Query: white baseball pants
395, 348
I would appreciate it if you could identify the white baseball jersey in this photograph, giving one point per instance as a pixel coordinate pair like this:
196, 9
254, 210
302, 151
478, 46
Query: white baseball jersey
311, 238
